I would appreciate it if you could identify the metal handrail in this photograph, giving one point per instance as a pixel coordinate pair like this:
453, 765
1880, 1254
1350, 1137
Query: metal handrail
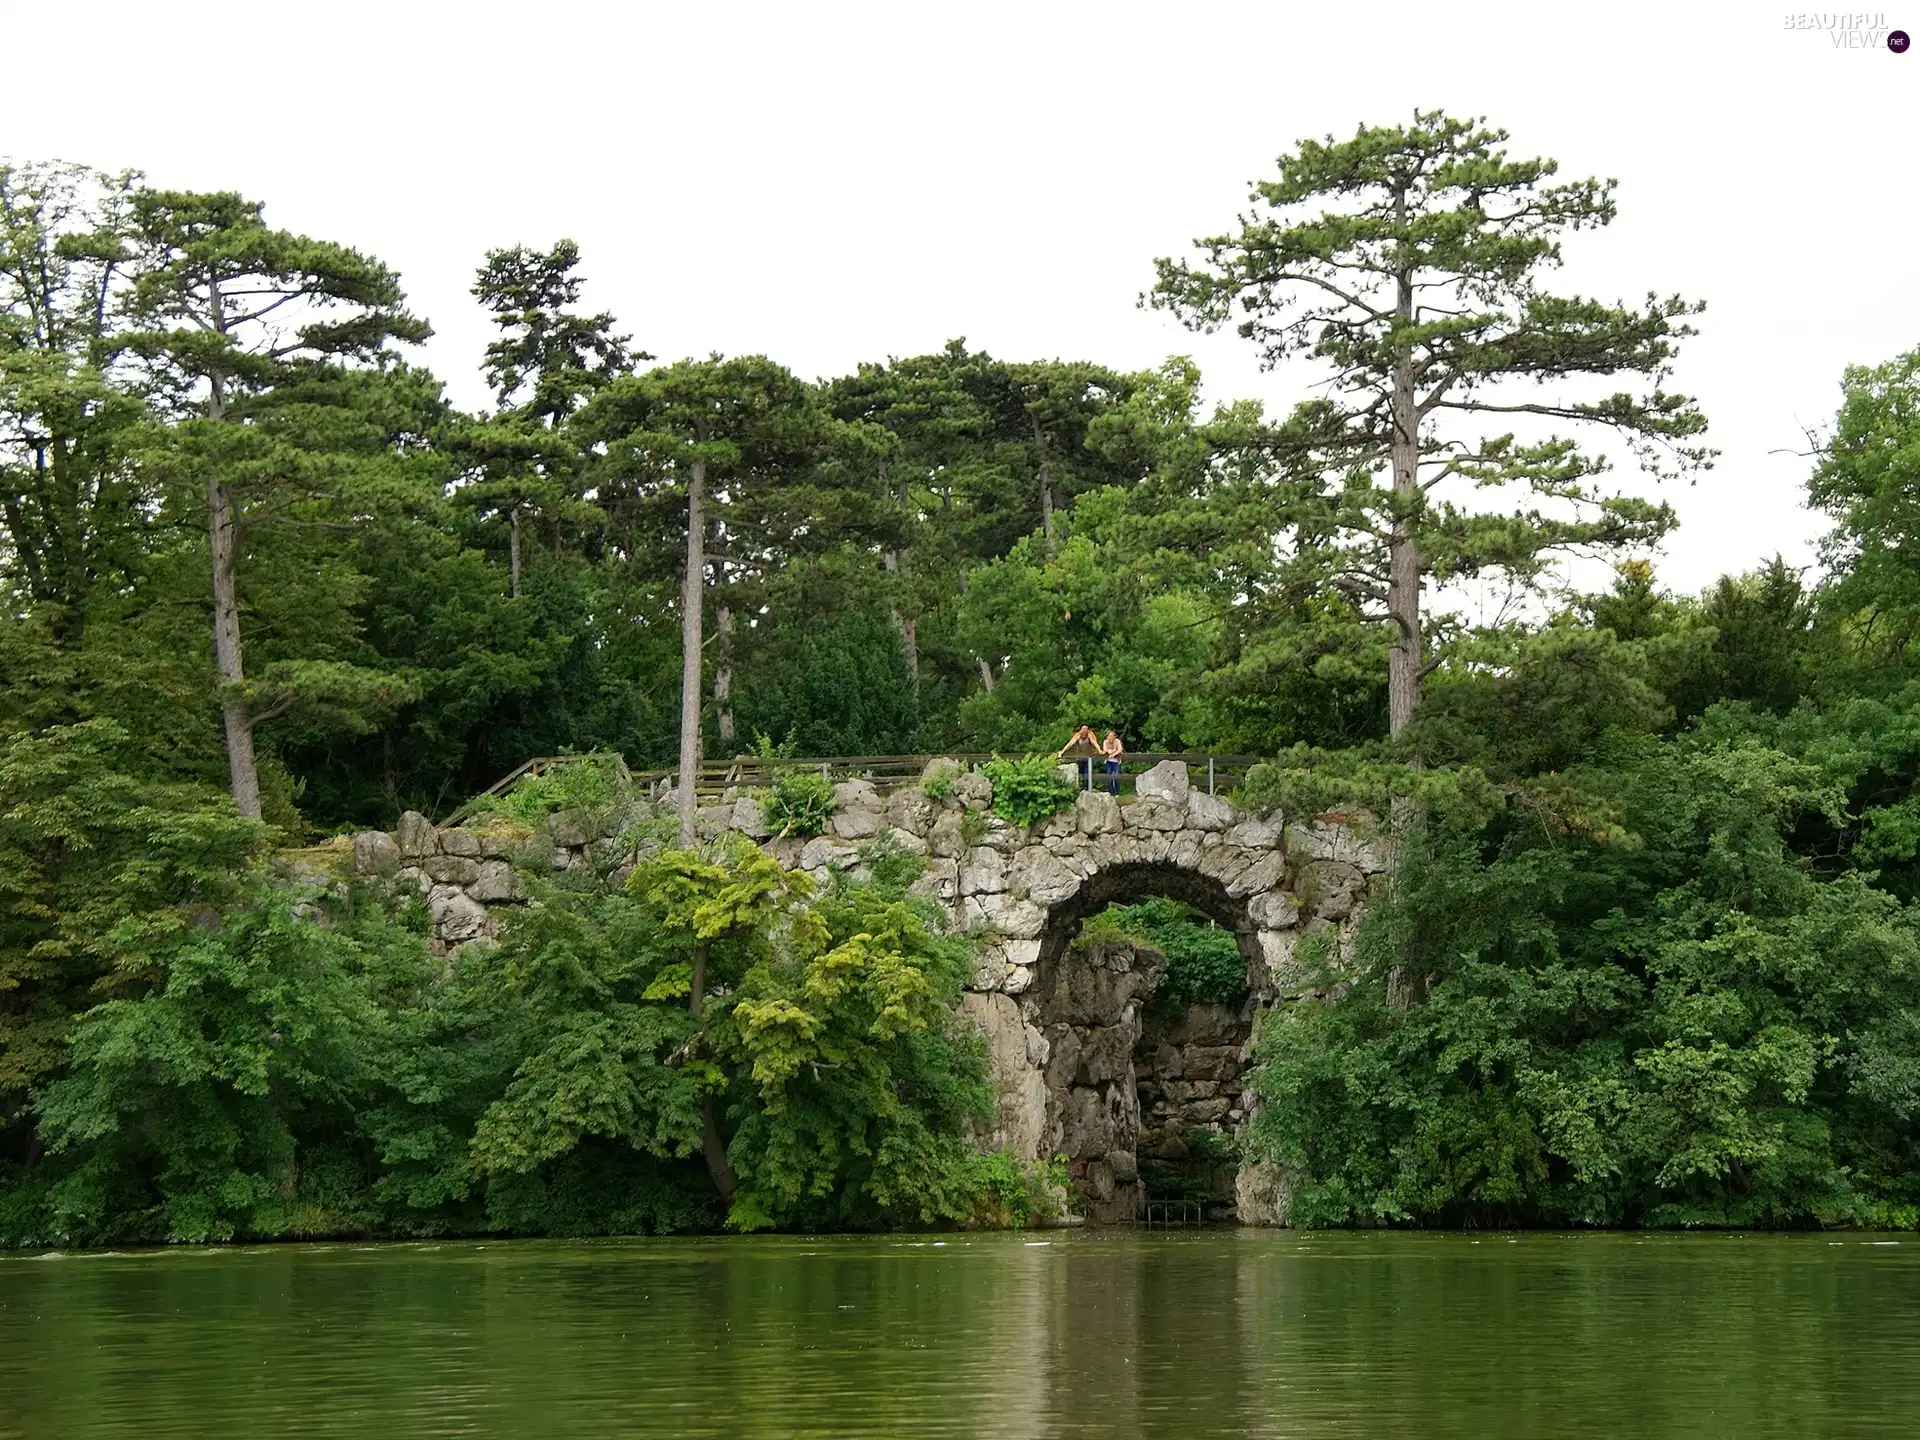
1191, 1212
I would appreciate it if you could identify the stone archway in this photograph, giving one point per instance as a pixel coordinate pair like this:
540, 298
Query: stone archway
1137, 1093
1030, 892
1023, 891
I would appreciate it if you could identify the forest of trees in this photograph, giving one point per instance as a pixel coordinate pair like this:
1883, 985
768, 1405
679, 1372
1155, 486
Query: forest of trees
1650, 955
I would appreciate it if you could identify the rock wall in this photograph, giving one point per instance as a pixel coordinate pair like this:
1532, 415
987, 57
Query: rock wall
1189, 1069
1025, 891
1128, 1091
1088, 1010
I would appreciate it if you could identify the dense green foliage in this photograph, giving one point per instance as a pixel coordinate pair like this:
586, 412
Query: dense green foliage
302, 1066
799, 802
1204, 963
1649, 957
1636, 1005
1029, 789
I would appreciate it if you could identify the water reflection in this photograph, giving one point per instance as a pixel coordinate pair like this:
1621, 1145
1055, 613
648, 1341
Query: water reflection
1116, 1334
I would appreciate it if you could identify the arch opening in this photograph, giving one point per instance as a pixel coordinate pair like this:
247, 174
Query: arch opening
1143, 1076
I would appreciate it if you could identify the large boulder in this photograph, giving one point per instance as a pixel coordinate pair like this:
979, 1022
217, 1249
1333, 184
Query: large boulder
820, 852
1155, 814
416, 836
911, 811
1006, 915
1254, 834
495, 884
456, 916
1208, 812
498, 844
1275, 910
1333, 888
849, 793
375, 853
903, 841
1263, 874
859, 821
1166, 781
451, 869
1339, 838
567, 832
1046, 879
1260, 1195
1096, 812
750, 819
973, 791
941, 881
944, 837
983, 872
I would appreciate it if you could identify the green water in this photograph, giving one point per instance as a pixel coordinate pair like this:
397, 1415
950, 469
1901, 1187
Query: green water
1108, 1334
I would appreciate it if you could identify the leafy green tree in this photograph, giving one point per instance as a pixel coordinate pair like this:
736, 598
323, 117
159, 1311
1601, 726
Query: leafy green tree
1409, 259
839, 686
1637, 1006
102, 867
229, 1089
273, 351
863, 1085
590, 978
1865, 480
932, 426
822, 1023
977, 453
71, 497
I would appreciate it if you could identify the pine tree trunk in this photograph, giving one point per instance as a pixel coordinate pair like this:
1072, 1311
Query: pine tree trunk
723, 677
1403, 550
513, 552
223, 524
692, 598
243, 774
905, 624
1046, 482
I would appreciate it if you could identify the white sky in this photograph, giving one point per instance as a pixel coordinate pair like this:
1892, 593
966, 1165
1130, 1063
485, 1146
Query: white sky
829, 183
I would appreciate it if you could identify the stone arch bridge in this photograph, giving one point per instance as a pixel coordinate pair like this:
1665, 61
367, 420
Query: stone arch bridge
1077, 1066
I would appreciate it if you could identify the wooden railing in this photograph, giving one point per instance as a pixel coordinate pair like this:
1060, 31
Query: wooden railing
540, 764
1215, 774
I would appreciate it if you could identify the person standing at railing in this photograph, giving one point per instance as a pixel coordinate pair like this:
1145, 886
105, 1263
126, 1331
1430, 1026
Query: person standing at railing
1081, 749
1115, 752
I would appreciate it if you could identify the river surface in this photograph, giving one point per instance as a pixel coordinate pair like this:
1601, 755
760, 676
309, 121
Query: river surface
1115, 1333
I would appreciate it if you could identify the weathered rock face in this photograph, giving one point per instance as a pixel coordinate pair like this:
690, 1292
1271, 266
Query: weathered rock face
1088, 1068
1015, 1053
1025, 892
1188, 1069
1088, 1011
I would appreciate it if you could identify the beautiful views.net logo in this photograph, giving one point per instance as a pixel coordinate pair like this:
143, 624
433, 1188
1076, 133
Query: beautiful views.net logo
1850, 31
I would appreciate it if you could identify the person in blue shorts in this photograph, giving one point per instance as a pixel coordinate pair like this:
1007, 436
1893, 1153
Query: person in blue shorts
1114, 751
